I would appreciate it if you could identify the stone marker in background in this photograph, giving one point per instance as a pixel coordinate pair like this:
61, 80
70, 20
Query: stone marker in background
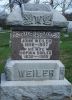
70, 26
34, 71
1, 29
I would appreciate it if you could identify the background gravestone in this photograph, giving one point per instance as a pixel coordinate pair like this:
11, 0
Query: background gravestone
70, 26
1, 29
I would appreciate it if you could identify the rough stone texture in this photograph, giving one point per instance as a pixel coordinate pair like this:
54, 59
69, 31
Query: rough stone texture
59, 19
35, 45
30, 18
35, 90
21, 70
37, 7
52, 17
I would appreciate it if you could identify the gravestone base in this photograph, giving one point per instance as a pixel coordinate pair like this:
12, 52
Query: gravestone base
28, 70
35, 90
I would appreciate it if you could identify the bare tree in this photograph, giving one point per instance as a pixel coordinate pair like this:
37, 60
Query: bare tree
51, 2
36, 1
10, 5
63, 9
64, 4
19, 2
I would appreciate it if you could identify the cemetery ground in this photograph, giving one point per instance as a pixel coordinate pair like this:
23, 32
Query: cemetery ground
65, 52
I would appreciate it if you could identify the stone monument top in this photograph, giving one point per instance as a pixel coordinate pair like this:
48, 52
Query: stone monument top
35, 32
36, 15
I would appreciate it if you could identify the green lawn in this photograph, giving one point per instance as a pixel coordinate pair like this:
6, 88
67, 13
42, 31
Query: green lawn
66, 55
65, 52
4, 49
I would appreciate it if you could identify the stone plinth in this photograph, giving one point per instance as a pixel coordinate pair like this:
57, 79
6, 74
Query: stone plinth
35, 90
20, 70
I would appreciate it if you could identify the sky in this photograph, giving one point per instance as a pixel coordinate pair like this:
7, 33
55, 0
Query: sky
6, 1
3, 2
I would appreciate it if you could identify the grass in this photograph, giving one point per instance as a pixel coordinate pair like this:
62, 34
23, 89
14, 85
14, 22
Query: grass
65, 52
66, 55
4, 49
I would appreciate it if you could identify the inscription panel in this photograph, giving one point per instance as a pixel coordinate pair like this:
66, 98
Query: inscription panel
36, 71
35, 45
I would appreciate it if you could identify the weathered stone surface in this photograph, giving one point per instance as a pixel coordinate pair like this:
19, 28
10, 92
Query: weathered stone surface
36, 15
32, 15
34, 70
37, 7
59, 19
35, 90
35, 45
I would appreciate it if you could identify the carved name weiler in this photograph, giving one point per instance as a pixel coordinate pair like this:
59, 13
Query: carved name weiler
35, 45
35, 71
36, 74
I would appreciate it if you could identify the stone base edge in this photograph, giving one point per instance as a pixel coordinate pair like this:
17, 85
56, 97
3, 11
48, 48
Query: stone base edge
35, 90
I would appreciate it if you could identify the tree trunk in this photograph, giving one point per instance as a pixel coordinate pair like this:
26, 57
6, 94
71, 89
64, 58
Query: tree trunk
11, 5
37, 1
22, 10
51, 3
63, 9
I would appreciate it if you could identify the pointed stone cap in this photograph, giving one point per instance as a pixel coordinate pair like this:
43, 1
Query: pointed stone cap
36, 15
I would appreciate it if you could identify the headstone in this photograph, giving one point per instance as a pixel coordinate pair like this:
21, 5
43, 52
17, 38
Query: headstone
34, 71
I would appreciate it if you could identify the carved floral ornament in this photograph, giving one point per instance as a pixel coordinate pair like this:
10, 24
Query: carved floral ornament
34, 19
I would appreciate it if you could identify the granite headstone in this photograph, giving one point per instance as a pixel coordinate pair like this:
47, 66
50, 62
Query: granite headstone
34, 71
